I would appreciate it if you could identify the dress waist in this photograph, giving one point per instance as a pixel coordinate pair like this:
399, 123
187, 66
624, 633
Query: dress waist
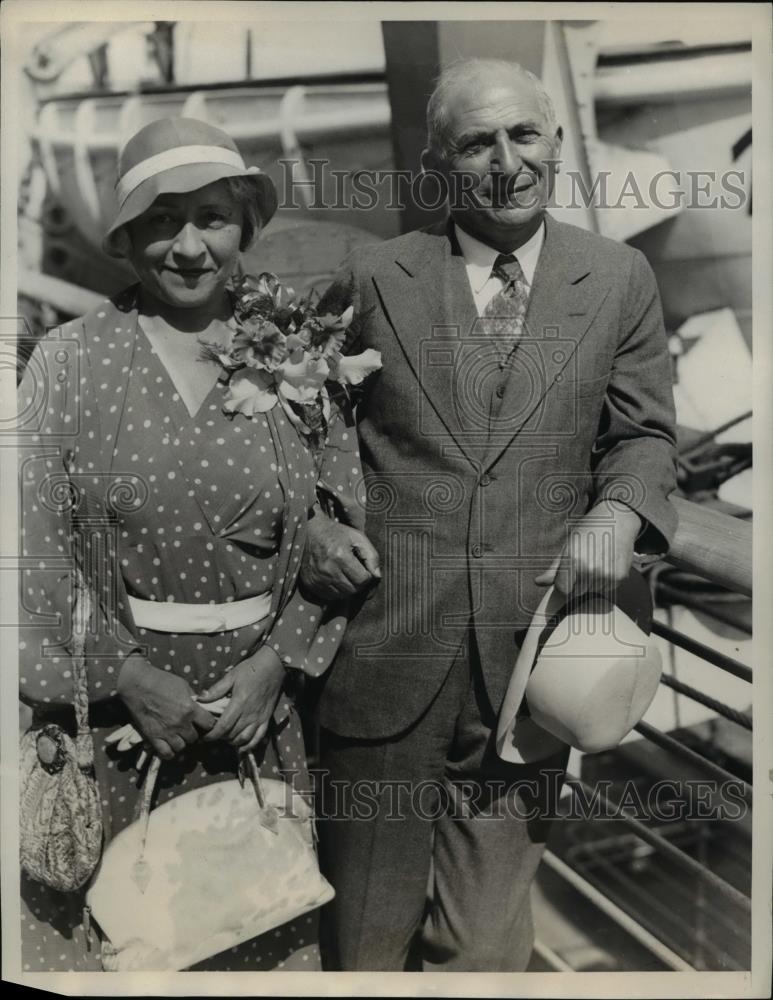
172, 616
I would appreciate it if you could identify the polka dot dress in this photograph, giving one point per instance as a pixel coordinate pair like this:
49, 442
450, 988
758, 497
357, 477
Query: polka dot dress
213, 511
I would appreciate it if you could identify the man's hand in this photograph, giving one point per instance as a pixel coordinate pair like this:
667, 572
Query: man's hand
162, 707
599, 552
338, 560
254, 686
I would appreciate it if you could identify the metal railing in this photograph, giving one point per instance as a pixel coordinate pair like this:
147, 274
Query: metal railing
717, 548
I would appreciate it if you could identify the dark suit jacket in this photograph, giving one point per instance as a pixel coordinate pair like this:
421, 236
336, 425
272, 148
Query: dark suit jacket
472, 474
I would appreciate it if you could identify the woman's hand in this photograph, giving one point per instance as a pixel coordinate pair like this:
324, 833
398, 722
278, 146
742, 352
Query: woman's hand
162, 707
254, 686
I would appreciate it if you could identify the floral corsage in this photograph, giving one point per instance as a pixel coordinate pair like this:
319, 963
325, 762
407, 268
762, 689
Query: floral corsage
284, 352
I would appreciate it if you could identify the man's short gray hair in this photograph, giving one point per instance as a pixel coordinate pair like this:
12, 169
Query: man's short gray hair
465, 70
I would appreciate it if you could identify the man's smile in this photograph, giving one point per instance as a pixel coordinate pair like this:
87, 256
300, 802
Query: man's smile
499, 191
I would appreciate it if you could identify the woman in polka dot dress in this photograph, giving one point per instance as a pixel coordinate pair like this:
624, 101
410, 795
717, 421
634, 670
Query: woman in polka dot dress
137, 475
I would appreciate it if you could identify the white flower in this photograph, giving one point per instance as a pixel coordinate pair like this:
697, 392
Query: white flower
250, 391
303, 381
354, 368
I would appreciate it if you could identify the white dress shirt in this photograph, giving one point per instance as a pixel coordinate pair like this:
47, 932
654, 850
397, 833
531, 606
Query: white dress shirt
479, 260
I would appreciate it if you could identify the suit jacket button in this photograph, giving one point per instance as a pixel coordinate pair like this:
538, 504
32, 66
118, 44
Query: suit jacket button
477, 551
485, 479
500, 391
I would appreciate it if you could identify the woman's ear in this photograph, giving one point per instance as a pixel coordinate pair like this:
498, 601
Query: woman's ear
120, 243
252, 225
250, 233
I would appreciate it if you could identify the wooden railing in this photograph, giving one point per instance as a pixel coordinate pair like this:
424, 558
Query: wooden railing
713, 545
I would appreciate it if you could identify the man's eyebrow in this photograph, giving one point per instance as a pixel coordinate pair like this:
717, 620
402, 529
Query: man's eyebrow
476, 135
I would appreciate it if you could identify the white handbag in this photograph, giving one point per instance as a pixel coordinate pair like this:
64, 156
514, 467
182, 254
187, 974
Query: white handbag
204, 872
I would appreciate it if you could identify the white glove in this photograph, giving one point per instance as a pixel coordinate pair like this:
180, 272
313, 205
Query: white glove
127, 736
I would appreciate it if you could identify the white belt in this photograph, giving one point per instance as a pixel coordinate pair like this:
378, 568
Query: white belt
170, 616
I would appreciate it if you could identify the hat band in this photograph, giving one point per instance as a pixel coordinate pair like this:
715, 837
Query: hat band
180, 156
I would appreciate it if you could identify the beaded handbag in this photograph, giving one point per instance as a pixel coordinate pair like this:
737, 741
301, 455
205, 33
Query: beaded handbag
60, 815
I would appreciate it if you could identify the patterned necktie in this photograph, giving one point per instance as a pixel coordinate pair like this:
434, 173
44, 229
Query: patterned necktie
505, 313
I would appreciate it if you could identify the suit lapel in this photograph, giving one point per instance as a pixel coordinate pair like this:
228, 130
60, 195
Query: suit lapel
565, 297
428, 302
429, 305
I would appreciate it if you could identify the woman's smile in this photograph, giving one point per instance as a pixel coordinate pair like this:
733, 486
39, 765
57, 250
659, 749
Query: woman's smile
185, 246
189, 272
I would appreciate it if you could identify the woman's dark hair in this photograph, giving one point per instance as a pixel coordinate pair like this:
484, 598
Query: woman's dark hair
244, 193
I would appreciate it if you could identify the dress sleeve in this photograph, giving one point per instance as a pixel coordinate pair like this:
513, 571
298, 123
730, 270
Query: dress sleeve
340, 485
307, 634
54, 408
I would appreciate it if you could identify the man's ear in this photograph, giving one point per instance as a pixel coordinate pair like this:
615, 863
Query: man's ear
559, 138
429, 160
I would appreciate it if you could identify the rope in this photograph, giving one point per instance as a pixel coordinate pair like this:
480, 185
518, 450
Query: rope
551, 957
682, 586
663, 919
615, 913
674, 746
725, 663
741, 718
709, 436
720, 610
664, 847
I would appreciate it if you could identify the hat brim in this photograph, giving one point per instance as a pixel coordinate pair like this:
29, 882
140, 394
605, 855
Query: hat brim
531, 738
181, 180
523, 740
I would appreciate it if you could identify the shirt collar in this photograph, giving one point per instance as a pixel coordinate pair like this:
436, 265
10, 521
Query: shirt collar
479, 258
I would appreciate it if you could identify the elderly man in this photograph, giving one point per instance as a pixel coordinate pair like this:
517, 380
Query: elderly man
523, 414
